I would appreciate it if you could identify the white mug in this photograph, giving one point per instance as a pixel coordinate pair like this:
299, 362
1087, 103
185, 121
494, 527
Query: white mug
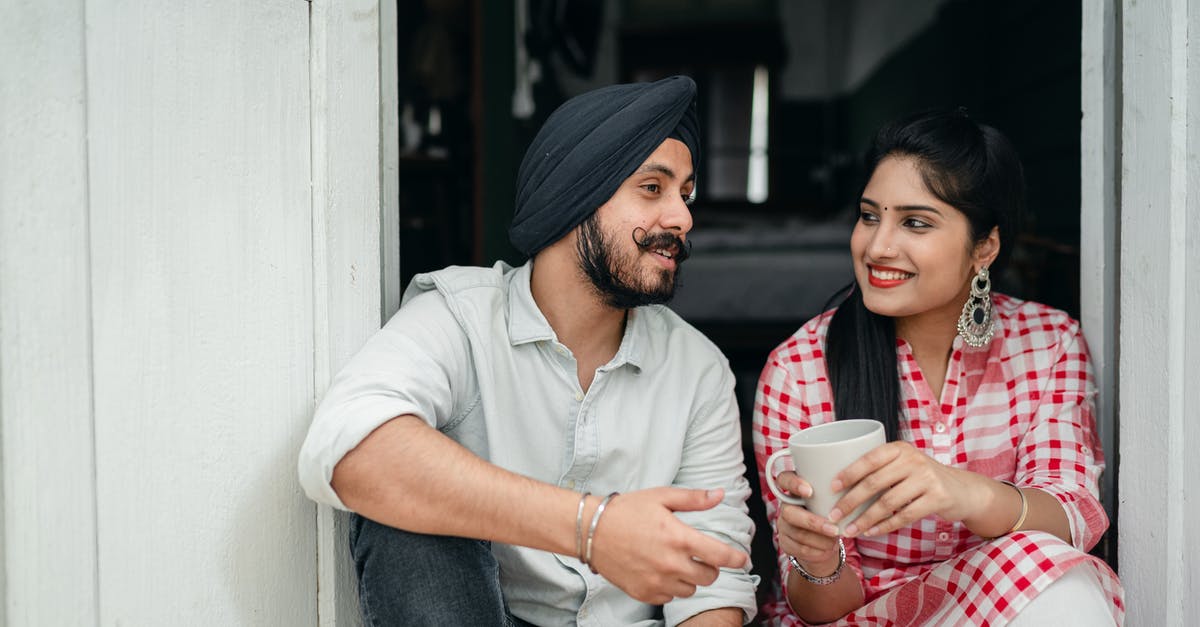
818, 454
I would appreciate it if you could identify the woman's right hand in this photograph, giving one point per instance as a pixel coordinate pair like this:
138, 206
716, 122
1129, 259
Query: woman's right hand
811, 539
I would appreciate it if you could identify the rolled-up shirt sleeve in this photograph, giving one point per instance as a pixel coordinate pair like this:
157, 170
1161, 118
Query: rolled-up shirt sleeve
1060, 454
415, 365
713, 457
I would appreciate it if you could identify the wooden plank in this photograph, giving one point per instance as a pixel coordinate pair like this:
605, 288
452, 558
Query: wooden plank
346, 207
202, 265
48, 521
1183, 381
1099, 132
1156, 312
389, 120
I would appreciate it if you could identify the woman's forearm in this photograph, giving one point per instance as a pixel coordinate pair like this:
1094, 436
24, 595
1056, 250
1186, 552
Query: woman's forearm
1002, 509
817, 603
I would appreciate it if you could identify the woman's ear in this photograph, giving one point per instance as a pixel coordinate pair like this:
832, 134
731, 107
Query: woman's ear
987, 249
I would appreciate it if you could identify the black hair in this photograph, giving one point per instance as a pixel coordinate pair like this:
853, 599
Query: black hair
967, 165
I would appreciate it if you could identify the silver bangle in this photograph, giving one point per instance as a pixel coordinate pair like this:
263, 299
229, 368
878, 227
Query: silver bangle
592, 531
828, 579
579, 525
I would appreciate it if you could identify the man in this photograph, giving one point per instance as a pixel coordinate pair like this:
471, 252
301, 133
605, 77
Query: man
483, 435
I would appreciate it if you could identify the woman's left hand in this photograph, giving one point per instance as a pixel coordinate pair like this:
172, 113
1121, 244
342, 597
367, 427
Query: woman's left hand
911, 485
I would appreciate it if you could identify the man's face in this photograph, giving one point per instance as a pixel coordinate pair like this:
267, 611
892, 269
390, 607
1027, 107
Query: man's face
632, 246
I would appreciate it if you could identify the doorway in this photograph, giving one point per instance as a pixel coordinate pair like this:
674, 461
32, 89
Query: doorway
789, 93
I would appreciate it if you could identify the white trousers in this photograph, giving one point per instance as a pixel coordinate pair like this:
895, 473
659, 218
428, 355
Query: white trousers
1076, 599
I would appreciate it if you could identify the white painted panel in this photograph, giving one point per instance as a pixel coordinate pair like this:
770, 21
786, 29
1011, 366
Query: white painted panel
48, 570
202, 280
1158, 309
1099, 92
389, 129
348, 155
1184, 380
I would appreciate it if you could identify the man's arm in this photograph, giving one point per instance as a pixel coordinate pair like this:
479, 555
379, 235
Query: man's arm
724, 617
713, 456
408, 475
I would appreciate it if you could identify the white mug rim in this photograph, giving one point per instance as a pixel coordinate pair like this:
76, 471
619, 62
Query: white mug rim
874, 425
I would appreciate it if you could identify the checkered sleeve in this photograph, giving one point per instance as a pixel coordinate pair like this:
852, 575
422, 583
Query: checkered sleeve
777, 414
1060, 453
792, 394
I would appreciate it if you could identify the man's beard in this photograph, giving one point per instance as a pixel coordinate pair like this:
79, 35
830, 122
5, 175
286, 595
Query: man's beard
618, 280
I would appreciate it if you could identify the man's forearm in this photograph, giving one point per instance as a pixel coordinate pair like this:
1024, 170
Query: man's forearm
722, 617
408, 475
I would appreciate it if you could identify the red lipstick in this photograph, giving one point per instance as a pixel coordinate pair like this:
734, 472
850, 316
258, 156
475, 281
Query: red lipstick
886, 283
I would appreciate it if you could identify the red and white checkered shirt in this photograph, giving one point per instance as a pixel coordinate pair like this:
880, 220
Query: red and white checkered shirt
1019, 409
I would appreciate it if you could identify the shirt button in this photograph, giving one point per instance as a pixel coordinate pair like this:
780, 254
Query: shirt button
579, 396
571, 484
943, 536
940, 427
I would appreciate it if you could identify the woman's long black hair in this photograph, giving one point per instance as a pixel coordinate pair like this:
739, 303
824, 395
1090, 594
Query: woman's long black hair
965, 164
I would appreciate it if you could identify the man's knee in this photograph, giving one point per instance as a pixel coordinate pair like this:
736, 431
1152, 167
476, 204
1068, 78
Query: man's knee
414, 579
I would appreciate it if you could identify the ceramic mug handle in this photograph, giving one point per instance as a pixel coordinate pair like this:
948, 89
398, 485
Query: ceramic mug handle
779, 494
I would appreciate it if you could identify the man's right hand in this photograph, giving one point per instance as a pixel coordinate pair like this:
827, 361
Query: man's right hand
643, 549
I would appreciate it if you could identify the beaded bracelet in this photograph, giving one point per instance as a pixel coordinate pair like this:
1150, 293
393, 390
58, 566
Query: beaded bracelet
827, 579
592, 531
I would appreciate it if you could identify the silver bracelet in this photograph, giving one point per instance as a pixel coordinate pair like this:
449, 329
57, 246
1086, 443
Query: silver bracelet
828, 579
579, 525
592, 531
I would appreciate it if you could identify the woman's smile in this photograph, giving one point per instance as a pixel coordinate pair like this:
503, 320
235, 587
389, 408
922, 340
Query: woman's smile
885, 277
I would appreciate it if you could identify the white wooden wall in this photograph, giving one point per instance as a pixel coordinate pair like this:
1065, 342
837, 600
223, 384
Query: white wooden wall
1159, 305
189, 246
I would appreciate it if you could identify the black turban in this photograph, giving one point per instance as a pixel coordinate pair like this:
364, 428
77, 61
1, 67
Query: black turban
589, 146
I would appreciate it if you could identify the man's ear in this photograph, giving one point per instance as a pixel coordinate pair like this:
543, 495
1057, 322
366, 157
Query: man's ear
987, 249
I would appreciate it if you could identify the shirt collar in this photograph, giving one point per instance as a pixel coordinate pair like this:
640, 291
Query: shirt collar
525, 321
527, 324
636, 332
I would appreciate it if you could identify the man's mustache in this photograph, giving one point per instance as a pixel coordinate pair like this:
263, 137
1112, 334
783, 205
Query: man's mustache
665, 240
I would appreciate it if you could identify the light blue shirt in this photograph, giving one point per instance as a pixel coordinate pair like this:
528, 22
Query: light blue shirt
470, 353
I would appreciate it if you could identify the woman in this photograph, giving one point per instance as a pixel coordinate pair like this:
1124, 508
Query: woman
988, 483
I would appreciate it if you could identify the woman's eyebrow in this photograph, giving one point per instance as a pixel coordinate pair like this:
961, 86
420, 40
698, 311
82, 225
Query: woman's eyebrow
867, 201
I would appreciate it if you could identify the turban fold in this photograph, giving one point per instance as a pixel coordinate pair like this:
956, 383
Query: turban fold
589, 146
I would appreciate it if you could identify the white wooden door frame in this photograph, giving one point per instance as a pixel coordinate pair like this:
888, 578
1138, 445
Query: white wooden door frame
1099, 89
356, 236
1159, 348
355, 224
348, 320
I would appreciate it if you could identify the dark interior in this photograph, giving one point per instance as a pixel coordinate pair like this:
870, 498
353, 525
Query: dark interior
773, 214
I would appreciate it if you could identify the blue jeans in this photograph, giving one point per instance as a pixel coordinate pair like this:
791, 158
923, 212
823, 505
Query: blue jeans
416, 579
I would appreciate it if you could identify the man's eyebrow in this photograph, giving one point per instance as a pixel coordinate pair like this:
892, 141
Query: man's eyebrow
867, 201
661, 169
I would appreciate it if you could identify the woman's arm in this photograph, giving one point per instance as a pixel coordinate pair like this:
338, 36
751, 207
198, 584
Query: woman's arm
780, 411
912, 485
813, 542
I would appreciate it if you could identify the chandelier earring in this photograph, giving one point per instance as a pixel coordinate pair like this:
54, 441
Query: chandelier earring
975, 323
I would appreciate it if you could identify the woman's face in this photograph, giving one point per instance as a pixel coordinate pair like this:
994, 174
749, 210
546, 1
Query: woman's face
913, 254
